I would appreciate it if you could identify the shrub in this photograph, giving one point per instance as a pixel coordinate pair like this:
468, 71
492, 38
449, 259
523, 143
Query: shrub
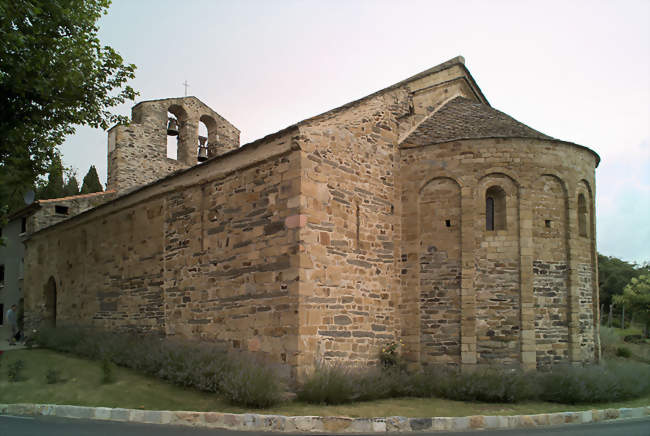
377, 383
53, 376
250, 385
328, 384
634, 339
202, 366
596, 383
623, 352
14, 370
492, 385
389, 356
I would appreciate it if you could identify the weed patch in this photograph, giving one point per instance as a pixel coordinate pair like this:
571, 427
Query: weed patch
14, 370
53, 376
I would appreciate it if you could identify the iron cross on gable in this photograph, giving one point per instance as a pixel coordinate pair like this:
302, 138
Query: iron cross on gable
186, 85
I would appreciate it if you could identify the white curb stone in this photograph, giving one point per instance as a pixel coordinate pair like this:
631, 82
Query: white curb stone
120, 414
103, 413
461, 423
327, 424
491, 422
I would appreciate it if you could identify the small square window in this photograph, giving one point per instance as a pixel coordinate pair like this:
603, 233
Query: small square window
63, 210
547, 223
448, 223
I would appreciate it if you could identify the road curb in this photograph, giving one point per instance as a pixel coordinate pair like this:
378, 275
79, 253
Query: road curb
321, 424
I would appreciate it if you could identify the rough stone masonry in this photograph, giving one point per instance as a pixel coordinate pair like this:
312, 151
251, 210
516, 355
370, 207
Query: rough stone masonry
418, 213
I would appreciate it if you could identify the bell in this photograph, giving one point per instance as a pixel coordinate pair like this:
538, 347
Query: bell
172, 127
203, 149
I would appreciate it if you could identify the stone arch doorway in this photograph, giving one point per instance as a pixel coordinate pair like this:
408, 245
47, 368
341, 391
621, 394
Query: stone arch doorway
49, 292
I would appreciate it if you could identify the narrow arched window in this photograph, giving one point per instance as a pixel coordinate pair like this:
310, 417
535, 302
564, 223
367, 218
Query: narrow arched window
582, 215
489, 213
495, 208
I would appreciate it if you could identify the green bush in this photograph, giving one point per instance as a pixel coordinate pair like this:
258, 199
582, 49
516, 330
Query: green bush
491, 385
251, 385
623, 352
595, 383
378, 383
328, 384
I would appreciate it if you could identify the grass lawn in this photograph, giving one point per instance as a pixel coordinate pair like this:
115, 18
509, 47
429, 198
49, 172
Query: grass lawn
82, 386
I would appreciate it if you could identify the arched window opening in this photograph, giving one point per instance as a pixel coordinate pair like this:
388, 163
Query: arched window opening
210, 132
172, 136
495, 209
202, 146
49, 291
582, 215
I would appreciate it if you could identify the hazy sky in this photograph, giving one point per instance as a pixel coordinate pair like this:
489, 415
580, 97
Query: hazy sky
577, 71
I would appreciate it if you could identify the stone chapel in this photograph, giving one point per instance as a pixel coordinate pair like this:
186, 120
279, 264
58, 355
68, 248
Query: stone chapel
418, 213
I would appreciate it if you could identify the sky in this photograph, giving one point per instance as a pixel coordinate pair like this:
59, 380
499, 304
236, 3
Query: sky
576, 70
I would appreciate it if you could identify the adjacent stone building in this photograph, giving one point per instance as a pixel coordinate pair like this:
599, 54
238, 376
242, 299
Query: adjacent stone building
32, 218
418, 213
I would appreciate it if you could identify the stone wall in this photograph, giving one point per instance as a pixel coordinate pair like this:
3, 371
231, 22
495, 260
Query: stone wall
550, 270
515, 292
210, 255
440, 271
348, 290
551, 310
354, 295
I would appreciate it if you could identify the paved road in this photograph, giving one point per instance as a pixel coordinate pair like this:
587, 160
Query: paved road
48, 426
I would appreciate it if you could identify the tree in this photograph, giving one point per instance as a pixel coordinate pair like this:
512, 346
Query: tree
54, 74
71, 185
613, 275
636, 298
91, 182
55, 187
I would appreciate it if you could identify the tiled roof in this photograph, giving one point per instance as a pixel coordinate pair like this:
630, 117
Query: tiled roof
461, 118
76, 197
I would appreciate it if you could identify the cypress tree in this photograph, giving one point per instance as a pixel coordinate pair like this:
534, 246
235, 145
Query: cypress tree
71, 186
91, 182
55, 186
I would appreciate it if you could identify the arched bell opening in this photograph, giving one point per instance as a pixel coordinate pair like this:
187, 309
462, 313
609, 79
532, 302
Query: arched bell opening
202, 153
50, 297
172, 136
176, 131
212, 136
